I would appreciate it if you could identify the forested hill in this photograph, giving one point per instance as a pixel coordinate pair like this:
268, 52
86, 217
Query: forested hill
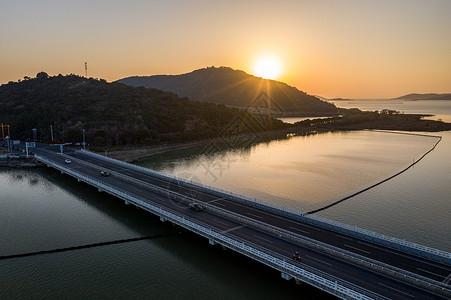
235, 88
113, 113
432, 96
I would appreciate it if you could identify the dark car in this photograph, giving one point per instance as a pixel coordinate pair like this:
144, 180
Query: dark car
105, 173
195, 206
296, 256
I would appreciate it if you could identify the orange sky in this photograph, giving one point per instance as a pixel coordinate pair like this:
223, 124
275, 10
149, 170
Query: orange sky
349, 48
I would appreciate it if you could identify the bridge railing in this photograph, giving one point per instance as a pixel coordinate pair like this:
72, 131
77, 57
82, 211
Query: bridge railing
352, 257
354, 231
323, 281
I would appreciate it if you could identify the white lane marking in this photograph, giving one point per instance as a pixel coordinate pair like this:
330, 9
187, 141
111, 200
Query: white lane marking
258, 237
271, 215
255, 215
221, 223
234, 228
319, 260
214, 200
121, 169
430, 272
297, 229
396, 290
357, 249
344, 237
401, 254
447, 279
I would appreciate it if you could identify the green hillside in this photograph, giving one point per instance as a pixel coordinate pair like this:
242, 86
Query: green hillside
115, 114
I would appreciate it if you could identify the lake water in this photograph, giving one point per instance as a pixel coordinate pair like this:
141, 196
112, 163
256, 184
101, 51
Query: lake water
42, 209
305, 172
310, 172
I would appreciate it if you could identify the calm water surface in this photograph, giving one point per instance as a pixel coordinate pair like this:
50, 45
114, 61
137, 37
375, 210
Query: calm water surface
415, 206
304, 173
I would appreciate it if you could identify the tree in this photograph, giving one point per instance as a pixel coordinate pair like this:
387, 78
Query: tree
42, 75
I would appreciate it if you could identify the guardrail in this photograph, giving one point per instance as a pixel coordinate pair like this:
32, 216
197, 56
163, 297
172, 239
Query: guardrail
321, 280
355, 258
354, 231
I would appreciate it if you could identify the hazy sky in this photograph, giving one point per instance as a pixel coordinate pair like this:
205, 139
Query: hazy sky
346, 48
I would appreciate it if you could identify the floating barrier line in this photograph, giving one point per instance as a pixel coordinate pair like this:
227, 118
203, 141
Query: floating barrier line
380, 182
101, 244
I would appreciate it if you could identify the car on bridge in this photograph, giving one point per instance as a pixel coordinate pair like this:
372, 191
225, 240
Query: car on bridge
195, 206
68, 161
105, 173
296, 256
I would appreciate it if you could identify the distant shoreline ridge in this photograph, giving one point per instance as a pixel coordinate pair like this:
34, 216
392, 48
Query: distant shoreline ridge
430, 96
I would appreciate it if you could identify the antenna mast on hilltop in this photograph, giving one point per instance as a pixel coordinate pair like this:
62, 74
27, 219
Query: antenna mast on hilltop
86, 69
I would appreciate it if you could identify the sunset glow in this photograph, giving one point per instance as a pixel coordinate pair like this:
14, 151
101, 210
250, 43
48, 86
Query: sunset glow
361, 56
268, 67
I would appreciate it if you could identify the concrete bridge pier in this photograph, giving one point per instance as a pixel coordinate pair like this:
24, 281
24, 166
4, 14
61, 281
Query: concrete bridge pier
286, 276
163, 219
211, 242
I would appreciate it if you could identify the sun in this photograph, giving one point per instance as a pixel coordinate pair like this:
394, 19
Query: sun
268, 67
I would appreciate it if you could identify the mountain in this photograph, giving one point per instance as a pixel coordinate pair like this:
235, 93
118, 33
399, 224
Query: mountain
431, 96
231, 87
114, 114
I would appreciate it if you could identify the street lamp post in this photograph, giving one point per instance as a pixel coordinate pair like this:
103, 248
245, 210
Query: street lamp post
84, 142
7, 143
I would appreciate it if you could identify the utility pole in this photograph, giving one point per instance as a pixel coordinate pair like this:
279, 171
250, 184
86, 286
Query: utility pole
86, 69
7, 143
51, 132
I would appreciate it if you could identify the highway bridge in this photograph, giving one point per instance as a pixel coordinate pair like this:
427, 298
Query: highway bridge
345, 261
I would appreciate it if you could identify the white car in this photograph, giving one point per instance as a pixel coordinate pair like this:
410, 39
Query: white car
68, 161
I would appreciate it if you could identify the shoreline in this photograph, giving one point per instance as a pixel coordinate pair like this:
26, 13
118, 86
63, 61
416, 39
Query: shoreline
134, 154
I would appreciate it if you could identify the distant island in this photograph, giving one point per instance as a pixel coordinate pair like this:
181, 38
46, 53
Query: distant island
431, 96
339, 99
236, 88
